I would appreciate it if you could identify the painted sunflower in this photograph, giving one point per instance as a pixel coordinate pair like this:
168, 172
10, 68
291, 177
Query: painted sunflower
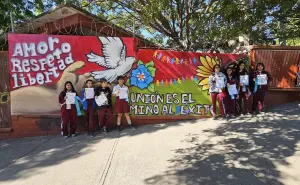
206, 69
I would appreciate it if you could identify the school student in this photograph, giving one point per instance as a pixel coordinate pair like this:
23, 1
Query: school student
122, 105
89, 106
217, 81
230, 103
68, 111
105, 109
260, 78
243, 88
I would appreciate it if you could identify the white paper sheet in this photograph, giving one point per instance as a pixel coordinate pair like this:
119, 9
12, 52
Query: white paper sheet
220, 82
70, 98
262, 79
89, 93
100, 100
244, 79
123, 93
232, 90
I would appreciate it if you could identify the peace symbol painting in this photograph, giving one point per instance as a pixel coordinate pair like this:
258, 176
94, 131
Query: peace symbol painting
161, 82
40, 65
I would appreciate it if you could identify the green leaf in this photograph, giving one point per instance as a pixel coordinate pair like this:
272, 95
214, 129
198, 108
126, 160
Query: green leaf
139, 63
150, 64
151, 87
128, 82
152, 71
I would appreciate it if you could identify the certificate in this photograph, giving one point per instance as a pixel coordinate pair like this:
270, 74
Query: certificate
232, 90
123, 93
244, 79
220, 82
101, 100
89, 93
70, 98
262, 79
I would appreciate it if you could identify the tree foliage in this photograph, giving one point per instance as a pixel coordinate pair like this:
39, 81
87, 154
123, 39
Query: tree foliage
187, 24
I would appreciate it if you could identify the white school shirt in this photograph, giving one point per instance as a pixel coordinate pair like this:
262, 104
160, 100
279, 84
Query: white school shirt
118, 87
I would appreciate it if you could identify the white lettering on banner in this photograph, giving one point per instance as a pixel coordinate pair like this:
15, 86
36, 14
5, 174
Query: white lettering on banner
53, 58
166, 104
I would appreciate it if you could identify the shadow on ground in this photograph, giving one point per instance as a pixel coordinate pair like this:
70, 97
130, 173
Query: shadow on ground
244, 151
39, 152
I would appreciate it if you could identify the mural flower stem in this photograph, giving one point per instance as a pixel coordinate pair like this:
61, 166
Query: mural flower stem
142, 76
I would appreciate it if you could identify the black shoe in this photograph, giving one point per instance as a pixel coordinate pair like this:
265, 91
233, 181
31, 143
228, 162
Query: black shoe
73, 135
119, 128
132, 127
92, 135
215, 117
88, 134
104, 130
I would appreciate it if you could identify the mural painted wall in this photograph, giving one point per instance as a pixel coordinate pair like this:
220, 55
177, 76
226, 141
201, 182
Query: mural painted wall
40, 65
161, 82
174, 83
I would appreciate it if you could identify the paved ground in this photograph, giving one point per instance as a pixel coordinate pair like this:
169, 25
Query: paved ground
246, 151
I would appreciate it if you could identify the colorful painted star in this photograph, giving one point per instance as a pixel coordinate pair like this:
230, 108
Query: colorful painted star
157, 83
177, 61
168, 59
162, 82
172, 60
174, 82
167, 82
159, 56
179, 81
155, 54
195, 60
183, 79
181, 61
171, 82
196, 79
164, 58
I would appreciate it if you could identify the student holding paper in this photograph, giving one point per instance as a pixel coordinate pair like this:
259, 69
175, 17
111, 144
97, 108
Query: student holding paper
103, 99
232, 93
260, 78
217, 82
122, 105
68, 110
89, 106
243, 88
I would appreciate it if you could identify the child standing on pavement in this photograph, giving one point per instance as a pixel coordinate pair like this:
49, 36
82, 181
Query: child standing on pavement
217, 82
260, 78
104, 110
68, 111
243, 88
89, 106
122, 106
230, 103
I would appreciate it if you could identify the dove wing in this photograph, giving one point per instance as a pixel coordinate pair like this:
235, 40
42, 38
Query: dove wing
112, 48
96, 59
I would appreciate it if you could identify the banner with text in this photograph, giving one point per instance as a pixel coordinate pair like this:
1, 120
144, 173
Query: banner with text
41, 64
174, 83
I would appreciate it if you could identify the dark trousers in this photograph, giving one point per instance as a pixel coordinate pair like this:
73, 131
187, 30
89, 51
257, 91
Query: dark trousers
217, 97
89, 119
243, 98
104, 116
258, 100
230, 105
68, 117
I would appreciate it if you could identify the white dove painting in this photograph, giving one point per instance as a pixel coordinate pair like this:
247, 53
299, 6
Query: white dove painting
113, 58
